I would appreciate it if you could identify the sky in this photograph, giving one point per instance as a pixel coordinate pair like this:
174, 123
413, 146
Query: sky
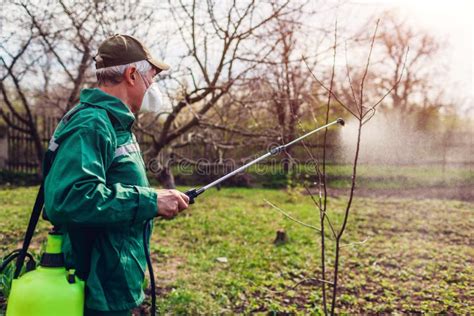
451, 22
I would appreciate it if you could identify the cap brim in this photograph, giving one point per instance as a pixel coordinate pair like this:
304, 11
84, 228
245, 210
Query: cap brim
158, 64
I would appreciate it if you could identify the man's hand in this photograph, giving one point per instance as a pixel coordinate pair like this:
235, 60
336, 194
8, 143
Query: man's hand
171, 202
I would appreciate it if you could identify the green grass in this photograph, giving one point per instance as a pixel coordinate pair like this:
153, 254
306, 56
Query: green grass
339, 176
398, 255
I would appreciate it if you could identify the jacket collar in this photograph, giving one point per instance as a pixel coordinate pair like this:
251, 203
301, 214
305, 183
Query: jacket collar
111, 104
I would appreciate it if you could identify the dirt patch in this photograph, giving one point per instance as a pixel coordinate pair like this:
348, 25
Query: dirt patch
167, 270
418, 260
415, 258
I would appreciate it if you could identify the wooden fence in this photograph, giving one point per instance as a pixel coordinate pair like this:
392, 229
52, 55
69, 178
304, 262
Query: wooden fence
21, 151
22, 157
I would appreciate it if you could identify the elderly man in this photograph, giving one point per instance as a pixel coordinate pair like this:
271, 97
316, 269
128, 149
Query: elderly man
96, 189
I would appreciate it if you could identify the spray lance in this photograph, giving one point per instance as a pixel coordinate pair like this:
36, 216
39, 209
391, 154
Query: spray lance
194, 193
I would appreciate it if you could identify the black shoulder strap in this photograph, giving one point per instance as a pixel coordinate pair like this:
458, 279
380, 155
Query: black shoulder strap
35, 215
39, 202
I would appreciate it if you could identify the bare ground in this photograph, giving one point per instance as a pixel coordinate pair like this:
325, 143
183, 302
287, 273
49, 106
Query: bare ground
461, 193
416, 255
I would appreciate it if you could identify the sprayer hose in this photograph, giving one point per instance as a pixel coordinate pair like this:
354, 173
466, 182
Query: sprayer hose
146, 232
14, 254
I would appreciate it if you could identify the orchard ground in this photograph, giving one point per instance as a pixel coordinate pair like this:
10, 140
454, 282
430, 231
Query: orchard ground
408, 248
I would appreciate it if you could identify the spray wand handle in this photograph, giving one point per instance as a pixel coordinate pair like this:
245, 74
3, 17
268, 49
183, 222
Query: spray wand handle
193, 193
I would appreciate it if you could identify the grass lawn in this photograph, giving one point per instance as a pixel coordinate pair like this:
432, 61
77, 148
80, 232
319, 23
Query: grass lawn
339, 176
404, 255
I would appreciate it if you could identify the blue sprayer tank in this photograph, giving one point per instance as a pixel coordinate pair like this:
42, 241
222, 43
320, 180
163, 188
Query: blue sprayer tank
48, 290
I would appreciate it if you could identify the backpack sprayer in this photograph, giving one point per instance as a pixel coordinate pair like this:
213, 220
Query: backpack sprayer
51, 289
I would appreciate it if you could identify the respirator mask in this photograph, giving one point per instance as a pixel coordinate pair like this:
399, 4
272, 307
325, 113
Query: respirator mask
153, 100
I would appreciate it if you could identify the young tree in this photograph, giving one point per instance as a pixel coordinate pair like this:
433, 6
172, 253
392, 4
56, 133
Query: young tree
360, 109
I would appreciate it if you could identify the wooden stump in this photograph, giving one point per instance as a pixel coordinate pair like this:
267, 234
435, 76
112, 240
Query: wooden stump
281, 237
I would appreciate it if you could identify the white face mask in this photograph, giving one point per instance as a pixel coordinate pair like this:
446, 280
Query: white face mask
153, 101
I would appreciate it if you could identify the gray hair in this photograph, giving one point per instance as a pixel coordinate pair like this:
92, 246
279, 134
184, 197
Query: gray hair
114, 74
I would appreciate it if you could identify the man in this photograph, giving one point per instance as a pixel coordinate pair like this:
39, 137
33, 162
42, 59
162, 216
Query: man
96, 189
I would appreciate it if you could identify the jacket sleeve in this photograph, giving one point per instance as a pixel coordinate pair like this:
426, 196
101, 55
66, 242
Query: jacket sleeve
76, 191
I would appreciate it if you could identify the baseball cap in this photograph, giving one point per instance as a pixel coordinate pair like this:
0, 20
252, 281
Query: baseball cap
124, 49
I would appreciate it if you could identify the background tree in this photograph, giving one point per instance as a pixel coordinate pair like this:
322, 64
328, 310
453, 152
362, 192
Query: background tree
416, 90
217, 40
46, 58
282, 87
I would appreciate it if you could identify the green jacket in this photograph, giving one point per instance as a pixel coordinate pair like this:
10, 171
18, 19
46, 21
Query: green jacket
98, 193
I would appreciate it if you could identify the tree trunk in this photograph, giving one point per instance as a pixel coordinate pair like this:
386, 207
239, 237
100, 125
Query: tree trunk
160, 166
166, 178
287, 163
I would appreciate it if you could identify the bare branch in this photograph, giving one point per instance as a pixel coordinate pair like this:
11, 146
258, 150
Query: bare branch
11, 123
46, 40
354, 98
392, 88
361, 101
291, 217
232, 130
329, 91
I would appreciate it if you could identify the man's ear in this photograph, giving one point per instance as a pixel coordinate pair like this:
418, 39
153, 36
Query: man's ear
131, 76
